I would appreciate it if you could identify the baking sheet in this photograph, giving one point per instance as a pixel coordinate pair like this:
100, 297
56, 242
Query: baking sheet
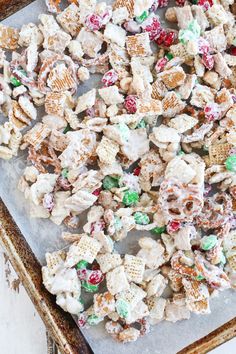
42, 236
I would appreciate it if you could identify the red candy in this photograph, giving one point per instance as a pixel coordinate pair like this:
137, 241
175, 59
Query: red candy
233, 50
162, 3
95, 277
166, 38
203, 46
205, 4
98, 226
208, 61
109, 78
152, 26
131, 103
81, 320
180, 2
161, 37
94, 22
173, 226
195, 247
169, 39
161, 63
97, 192
82, 274
212, 112
137, 171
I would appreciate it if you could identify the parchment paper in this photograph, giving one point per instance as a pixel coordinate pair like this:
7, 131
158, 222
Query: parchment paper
42, 235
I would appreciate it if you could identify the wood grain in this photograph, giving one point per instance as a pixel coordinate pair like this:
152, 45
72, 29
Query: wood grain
60, 325
9, 7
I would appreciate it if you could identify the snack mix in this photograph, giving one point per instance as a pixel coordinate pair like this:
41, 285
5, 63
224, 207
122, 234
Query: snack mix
152, 148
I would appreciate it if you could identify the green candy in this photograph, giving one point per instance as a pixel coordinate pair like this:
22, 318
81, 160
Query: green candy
230, 163
130, 197
22, 71
90, 288
223, 259
110, 182
117, 223
124, 130
81, 301
185, 35
65, 172
141, 124
192, 32
142, 17
82, 264
15, 82
181, 152
169, 56
141, 218
67, 129
194, 27
199, 277
122, 308
158, 230
208, 242
93, 320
